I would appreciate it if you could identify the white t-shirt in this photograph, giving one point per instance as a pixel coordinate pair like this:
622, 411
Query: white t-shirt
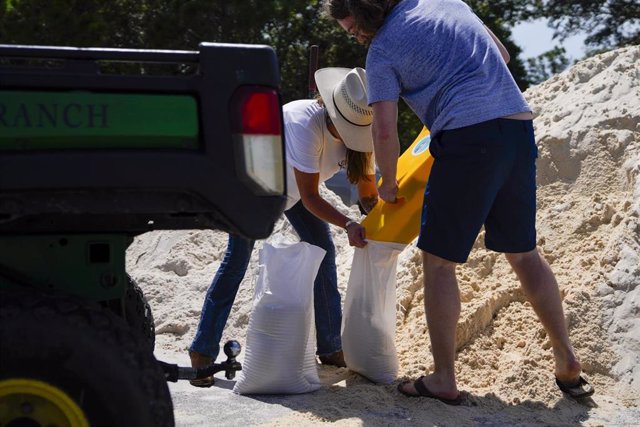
310, 147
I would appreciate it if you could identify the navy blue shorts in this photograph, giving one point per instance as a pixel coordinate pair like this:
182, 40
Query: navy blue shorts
484, 174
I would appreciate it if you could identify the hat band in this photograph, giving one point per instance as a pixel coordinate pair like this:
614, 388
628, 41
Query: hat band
333, 96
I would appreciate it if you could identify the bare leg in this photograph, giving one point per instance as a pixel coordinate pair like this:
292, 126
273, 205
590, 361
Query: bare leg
540, 287
442, 310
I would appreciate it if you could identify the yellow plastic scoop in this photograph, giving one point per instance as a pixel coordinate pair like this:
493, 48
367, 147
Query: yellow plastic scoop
400, 222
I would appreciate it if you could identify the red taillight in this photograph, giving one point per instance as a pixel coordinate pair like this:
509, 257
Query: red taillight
258, 110
256, 121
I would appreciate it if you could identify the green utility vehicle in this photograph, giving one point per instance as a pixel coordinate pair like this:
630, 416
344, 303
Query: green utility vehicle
96, 147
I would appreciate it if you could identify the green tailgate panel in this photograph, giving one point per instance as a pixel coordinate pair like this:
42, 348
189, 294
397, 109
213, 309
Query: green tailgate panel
88, 120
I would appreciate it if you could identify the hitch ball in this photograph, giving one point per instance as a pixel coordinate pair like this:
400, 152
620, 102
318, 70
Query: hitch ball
232, 349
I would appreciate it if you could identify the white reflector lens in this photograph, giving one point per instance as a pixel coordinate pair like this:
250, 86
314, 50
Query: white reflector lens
263, 161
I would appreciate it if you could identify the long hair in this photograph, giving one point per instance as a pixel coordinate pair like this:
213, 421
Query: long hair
369, 15
356, 162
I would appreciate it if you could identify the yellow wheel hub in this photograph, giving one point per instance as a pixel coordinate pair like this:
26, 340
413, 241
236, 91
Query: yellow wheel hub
24, 400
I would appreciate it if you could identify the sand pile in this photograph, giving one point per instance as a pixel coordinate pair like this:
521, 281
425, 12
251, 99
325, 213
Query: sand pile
588, 131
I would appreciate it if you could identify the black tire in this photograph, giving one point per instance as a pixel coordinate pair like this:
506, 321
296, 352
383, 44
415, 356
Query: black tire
87, 352
138, 314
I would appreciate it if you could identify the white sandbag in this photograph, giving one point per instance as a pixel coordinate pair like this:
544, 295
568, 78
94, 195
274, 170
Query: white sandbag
369, 315
280, 348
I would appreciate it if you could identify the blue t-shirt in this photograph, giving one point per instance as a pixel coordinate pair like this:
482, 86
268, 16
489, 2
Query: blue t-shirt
438, 56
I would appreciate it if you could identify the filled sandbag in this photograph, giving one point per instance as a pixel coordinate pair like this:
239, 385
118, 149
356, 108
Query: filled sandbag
280, 346
369, 315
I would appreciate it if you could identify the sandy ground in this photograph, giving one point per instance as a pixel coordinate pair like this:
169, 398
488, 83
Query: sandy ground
588, 131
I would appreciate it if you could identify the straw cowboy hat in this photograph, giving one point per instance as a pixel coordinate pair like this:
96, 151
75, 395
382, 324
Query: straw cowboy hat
344, 92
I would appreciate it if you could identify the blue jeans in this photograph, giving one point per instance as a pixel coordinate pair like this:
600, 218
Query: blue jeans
223, 289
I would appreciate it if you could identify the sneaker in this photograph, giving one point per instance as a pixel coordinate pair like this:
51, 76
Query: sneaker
199, 361
334, 359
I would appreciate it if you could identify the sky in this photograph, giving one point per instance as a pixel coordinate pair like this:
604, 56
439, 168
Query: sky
534, 38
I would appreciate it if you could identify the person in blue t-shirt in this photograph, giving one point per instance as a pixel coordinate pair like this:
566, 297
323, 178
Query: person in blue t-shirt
440, 58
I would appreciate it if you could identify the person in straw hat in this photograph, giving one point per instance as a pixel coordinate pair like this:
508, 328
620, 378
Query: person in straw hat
451, 70
322, 136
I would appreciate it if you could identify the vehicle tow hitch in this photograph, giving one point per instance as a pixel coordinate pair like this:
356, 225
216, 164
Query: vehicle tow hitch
173, 372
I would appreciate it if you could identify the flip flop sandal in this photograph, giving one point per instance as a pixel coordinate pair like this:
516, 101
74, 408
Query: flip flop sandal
577, 390
423, 391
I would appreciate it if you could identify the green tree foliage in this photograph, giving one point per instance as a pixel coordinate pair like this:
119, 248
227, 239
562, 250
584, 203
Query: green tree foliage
290, 26
71, 22
546, 65
608, 23
183, 24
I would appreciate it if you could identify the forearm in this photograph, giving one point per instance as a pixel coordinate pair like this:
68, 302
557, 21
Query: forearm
386, 143
324, 210
387, 149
